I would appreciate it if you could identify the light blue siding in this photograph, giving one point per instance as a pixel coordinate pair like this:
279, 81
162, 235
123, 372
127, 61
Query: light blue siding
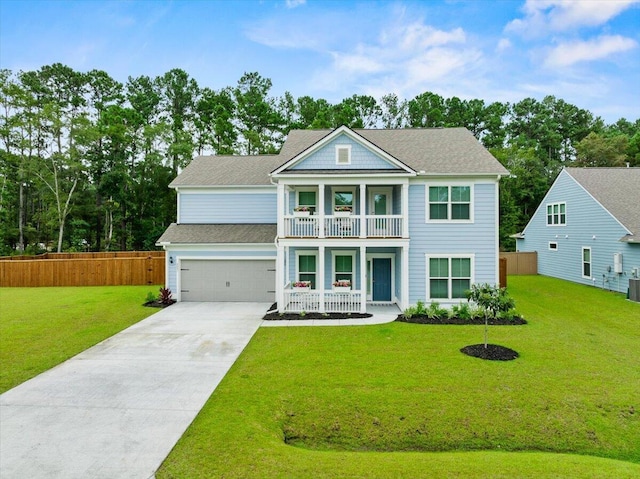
228, 208
172, 269
361, 158
477, 238
585, 219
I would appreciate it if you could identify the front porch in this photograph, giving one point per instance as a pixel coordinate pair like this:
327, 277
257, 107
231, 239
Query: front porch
344, 279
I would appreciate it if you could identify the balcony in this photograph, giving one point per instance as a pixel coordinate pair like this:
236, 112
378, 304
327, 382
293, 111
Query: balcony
350, 226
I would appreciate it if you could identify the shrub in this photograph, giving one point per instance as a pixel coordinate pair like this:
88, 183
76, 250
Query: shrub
461, 311
165, 296
435, 311
150, 297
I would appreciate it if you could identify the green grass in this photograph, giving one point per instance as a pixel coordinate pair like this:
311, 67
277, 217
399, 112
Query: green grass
41, 327
400, 400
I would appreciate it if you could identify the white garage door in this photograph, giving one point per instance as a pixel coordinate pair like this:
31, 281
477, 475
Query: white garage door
228, 280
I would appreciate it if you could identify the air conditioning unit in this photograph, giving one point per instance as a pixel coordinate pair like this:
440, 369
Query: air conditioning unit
634, 290
617, 263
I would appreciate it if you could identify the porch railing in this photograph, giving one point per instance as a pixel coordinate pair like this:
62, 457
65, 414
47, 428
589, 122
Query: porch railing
310, 301
383, 226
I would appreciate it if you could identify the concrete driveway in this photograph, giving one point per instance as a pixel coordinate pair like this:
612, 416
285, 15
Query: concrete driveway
117, 409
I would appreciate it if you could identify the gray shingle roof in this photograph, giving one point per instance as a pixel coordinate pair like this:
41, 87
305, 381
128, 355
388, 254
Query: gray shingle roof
436, 151
617, 189
228, 171
218, 233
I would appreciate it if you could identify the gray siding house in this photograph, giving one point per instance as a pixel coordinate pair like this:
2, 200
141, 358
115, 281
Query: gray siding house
337, 220
587, 228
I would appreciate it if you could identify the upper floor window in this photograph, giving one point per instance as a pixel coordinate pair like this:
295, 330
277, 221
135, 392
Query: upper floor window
343, 154
308, 199
449, 203
343, 198
556, 214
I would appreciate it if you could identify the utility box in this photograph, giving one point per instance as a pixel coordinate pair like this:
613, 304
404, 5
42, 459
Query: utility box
617, 263
634, 290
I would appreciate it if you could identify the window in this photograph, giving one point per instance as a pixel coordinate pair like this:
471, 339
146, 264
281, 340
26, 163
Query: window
343, 154
306, 267
449, 278
449, 203
307, 198
344, 198
343, 265
553, 246
556, 214
586, 262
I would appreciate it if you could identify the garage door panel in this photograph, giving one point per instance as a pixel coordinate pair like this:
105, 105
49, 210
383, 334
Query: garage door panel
228, 280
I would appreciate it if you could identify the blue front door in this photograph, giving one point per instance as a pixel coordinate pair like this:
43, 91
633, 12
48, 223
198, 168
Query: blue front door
381, 277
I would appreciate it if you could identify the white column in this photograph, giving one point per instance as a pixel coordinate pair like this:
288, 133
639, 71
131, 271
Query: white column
363, 210
405, 210
281, 209
404, 289
363, 279
321, 282
280, 276
320, 210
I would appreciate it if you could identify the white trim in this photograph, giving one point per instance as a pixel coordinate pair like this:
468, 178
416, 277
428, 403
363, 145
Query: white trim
306, 189
309, 252
213, 247
385, 190
178, 262
343, 147
496, 225
449, 185
369, 282
353, 242
472, 272
583, 262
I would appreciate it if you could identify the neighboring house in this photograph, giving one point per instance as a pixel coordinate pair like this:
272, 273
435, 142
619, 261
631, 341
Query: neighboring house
389, 216
587, 228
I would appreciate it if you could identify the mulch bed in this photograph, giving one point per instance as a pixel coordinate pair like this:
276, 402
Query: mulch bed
475, 321
492, 352
158, 304
297, 317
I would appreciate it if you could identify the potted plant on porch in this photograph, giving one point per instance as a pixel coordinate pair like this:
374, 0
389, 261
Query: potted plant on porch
342, 286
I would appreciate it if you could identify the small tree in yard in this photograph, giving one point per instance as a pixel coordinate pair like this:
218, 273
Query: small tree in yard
492, 300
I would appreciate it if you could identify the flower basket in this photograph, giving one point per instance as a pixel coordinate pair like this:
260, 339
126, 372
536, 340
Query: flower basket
342, 286
301, 286
301, 213
342, 210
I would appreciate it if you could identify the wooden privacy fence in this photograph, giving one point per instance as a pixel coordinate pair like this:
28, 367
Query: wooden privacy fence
84, 269
521, 262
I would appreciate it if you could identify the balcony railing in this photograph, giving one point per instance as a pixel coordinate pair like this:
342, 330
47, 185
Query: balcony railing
311, 300
376, 226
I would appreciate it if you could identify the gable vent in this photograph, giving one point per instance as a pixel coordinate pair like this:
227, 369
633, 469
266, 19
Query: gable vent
343, 154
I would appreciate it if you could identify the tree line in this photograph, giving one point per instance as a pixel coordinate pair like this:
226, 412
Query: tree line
85, 160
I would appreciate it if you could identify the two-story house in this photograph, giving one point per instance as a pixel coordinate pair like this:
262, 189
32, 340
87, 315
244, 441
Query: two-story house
337, 220
587, 228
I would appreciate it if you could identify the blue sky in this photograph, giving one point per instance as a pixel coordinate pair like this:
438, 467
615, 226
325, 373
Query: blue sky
586, 52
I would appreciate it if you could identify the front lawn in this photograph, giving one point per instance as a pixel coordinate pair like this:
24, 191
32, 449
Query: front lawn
401, 400
41, 327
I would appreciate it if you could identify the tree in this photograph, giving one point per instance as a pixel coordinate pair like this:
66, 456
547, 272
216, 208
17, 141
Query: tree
259, 122
426, 111
393, 111
596, 150
492, 300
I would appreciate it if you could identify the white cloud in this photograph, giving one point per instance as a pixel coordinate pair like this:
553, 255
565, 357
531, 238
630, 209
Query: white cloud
543, 16
566, 54
503, 45
294, 3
